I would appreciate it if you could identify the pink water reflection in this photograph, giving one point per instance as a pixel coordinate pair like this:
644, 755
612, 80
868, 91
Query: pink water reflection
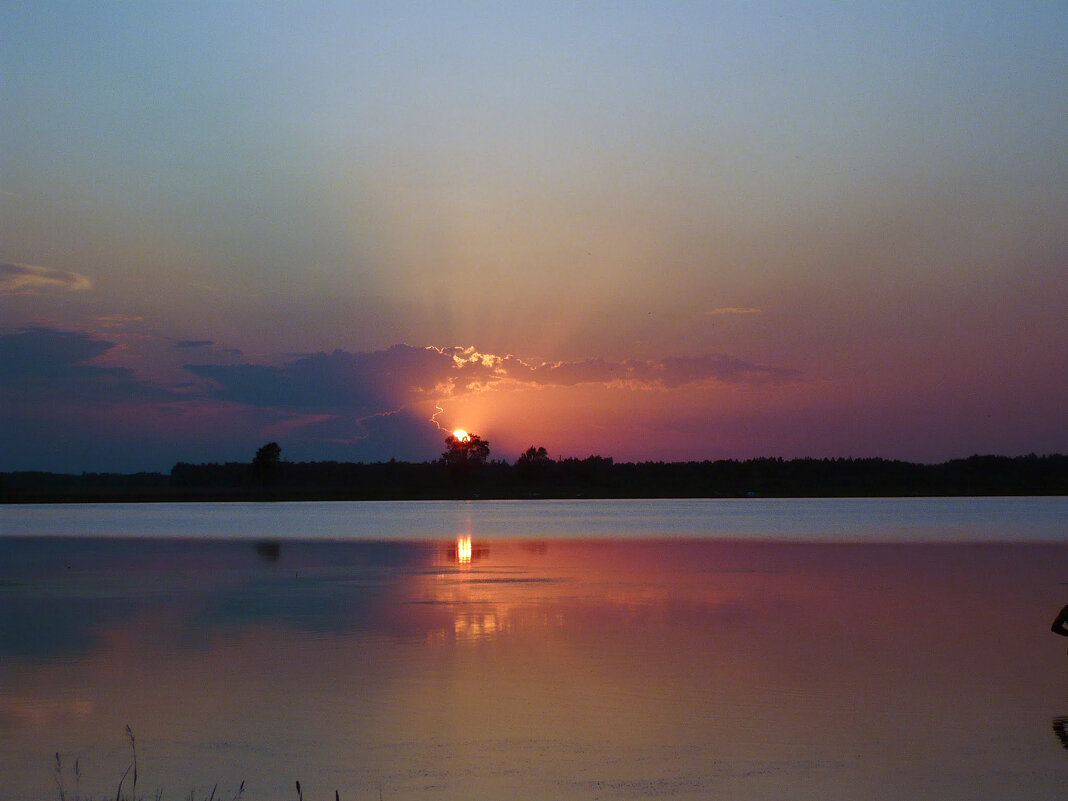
567, 669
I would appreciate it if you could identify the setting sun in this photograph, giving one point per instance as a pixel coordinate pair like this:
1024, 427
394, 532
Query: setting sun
461, 435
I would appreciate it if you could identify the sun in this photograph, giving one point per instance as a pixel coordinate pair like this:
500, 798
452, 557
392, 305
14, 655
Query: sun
461, 435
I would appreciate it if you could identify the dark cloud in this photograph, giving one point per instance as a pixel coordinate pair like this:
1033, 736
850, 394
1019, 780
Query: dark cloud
410, 436
42, 351
45, 365
60, 412
194, 343
368, 382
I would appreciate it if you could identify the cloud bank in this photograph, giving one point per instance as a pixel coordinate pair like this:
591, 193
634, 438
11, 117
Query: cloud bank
381, 380
339, 405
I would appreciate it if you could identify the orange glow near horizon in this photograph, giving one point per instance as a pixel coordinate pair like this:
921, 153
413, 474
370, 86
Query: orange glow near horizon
461, 435
463, 550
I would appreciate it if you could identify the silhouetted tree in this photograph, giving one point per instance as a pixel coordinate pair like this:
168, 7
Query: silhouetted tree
465, 470
265, 463
471, 451
533, 455
270, 454
533, 466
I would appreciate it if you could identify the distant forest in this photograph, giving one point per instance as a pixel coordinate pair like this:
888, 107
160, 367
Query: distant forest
463, 474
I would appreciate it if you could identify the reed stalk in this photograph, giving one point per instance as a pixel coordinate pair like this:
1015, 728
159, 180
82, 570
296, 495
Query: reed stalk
59, 778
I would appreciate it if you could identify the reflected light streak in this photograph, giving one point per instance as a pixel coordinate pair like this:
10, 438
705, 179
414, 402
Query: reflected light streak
476, 626
463, 550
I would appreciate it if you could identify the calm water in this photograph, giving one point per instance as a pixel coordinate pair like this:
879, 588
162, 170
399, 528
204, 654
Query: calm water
589, 650
841, 519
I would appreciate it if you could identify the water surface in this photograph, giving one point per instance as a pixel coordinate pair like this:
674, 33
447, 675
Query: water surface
468, 666
997, 519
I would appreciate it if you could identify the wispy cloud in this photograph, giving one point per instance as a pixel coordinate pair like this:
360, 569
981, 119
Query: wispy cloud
117, 320
29, 279
733, 310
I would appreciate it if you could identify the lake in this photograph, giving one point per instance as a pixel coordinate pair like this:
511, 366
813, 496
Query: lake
741, 649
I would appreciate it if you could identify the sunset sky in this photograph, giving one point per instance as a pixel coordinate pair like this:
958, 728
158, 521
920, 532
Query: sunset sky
682, 230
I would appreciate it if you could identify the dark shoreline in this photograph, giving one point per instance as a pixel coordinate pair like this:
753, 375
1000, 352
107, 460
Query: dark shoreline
593, 477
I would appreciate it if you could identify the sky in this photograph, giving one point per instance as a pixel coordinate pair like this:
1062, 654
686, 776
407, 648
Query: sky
651, 231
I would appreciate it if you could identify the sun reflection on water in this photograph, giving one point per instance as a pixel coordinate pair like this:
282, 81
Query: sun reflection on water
476, 626
463, 549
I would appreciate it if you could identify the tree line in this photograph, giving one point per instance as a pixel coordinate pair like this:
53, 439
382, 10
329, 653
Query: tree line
465, 470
